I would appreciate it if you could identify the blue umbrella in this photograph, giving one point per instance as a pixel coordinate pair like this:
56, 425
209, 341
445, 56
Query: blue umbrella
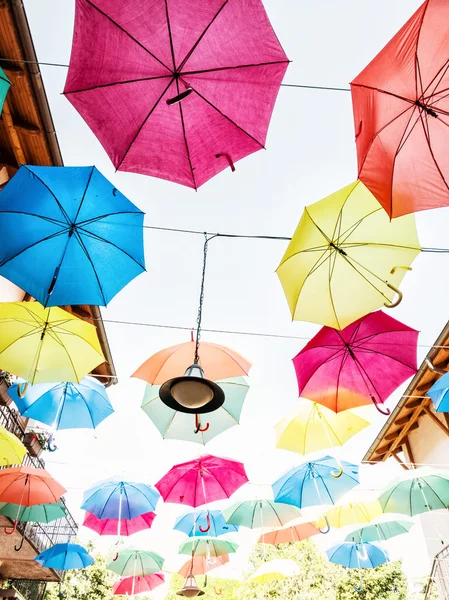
77, 239
65, 557
112, 499
439, 394
196, 524
358, 556
64, 405
316, 483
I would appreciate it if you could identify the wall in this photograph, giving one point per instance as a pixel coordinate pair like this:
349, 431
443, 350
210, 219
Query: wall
9, 292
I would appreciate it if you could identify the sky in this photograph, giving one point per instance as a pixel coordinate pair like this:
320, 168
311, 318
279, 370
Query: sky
310, 154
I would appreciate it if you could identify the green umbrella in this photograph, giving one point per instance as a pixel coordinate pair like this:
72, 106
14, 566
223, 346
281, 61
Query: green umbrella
181, 426
208, 547
418, 491
379, 532
39, 513
261, 513
5, 84
132, 562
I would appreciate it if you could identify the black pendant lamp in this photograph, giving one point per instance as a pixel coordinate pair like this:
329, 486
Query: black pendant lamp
190, 588
192, 393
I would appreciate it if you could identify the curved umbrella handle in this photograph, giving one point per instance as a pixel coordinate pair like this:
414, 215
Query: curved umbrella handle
385, 412
19, 548
359, 588
115, 557
198, 425
21, 391
180, 96
337, 474
228, 158
211, 562
218, 591
362, 556
50, 447
328, 526
399, 298
10, 532
207, 528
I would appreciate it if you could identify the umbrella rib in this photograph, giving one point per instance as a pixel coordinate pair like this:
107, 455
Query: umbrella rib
440, 75
83, 247
112, 84
330, 274
172, 50
46, 239
113, 214
95, 236
84, 194
185, 138
368, 351
248, 66
61, 208
427, 136
28, 214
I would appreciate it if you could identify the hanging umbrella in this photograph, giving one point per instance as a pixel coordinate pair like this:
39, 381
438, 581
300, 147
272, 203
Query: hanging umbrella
64, 405
38, 513
129, 586
203, 94
357, 556
312, 427
351, 514
204, 523
261, 513
346, 258
12, 451
401, 110
116, 499
378, 532
80, 242
201, 566
202, 480
112, 526
46, 344
439, 394
208, 547
217, 362
316, 483
132, 562
65, 557
275, 570
5, 84
345, 369
288, 535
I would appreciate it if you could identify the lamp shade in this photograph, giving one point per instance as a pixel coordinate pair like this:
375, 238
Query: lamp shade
192, 393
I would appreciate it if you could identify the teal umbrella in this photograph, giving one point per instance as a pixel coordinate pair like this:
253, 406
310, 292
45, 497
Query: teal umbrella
132, 562
39, 513
176, 425
261, 513
5, 84
208, 547
378, 532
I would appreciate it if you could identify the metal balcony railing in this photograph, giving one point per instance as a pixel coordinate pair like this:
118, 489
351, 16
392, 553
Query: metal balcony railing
439, 576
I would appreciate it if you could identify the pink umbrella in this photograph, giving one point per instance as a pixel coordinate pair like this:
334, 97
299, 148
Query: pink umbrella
363, 363
131, 586
126, 527
202, 480
178, 90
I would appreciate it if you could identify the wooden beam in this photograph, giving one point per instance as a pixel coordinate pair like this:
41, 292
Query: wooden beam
411, 420
436, 420
408, 452
394, 435
402, 421
414, 403
12, 134
27, 128
403, 465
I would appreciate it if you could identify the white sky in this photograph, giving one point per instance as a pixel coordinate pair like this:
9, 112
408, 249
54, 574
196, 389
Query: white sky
310, 154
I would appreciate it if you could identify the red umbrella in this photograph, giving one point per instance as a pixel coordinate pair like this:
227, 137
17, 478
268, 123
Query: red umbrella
202, 480
201, 566
111, 526
401, 115
363, 363
131, 586
179, 89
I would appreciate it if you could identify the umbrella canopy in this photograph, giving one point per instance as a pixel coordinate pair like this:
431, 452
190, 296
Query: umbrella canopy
208, 547
313, 427
261, 513
378, 532
204, 93
345, 369
217, 362
400, 115
65, 557
127, 586
316, 483
12, 451
80, 242
39, 513
113, 499
125, 526
275, 570
5, 84
439, 394
64, 405
204, 523
287, 535
175, 425
202, 480
46, 344
132, 562
28, 486
416, 492
357, 556
351, 514
346, 258
201, 565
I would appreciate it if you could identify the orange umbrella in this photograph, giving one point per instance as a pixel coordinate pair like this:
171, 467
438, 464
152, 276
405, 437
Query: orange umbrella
201, 566
217, 362
287, 535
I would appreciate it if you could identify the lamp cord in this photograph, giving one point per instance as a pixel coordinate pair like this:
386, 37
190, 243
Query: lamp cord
201, 301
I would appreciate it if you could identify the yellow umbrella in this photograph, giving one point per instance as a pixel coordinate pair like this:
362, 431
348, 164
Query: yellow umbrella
275, 570
351, 514
313, 427
346, 258
12, 451
46, 344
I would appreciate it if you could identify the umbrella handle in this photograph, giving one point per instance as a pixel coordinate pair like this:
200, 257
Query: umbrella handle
21, 391
51, 448
328, 526
337, 474
207, 528
399, 298
218, 591
211, 562
228, 158
10, 532
198, 425
19, 548
180, 96
362, 556
385, 412
359, 588
115, 557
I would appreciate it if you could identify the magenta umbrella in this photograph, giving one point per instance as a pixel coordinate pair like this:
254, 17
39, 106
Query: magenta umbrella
125, 527
179, 89
131, 586
363, 363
